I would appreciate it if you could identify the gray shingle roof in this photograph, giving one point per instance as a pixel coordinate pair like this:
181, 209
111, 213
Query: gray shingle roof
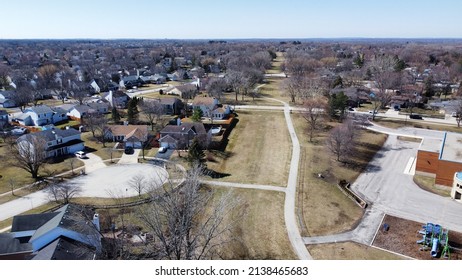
31, 222
49, 135
41, 109
10, 245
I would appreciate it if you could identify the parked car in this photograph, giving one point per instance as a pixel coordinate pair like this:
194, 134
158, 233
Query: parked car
415, 117
129, 150
80, 154
162, 150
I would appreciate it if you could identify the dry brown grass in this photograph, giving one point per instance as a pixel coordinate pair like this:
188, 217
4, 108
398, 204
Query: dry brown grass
428, 184
349, 251
417, 124
260, 233
324, 208
258, 152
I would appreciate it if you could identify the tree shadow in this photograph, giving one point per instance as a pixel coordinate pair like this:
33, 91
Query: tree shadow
215, 175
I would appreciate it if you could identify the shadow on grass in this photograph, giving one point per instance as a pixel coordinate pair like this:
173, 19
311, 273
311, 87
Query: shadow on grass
215, 175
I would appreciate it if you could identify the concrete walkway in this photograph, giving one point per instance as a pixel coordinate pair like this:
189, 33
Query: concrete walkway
289, 204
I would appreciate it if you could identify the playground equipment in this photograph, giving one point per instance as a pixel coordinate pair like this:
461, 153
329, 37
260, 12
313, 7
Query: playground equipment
434, 237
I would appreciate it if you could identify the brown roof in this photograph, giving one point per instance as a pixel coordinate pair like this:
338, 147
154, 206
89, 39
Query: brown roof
139, 131
207, 101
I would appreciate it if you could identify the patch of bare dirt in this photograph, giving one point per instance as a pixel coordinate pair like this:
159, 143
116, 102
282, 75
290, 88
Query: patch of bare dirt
402, 236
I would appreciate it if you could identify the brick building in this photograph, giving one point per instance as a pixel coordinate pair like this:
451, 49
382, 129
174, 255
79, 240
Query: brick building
440, 158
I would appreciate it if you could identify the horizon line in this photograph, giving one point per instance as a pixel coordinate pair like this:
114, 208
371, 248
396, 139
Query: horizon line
236, 39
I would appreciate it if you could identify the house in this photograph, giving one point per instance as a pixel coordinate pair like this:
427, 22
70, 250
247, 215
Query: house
187, 91
69, 233
59, 142
221, 112
206, 104
7, 99
79, 111
99, 107
40, 115
131, 135
117, 98
172, 105
181, 136
59, 115
3, 117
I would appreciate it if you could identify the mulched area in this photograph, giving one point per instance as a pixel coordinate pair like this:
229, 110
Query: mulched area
402, 236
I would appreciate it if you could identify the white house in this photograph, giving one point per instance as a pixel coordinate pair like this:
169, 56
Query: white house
59, 142
206, 104
40, 115
221, 113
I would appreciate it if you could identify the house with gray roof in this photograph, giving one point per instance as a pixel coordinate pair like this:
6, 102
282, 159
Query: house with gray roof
69, 233
181, 136
60, 142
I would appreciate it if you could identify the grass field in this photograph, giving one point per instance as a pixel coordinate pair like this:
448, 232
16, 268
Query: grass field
349, 251
322, 206
258, 152
260, 232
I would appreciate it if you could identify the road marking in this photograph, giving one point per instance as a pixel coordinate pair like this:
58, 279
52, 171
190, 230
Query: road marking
410, 167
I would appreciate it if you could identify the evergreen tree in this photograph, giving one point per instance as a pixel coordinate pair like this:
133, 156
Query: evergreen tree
197, 115
196, 156
132, 110
115, 115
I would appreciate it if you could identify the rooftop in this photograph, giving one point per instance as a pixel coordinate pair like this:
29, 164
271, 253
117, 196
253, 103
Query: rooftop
452, 147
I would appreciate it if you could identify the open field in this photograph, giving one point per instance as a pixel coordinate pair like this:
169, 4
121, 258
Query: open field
323, 208
276, 64
258, 151
349, 251
260, 233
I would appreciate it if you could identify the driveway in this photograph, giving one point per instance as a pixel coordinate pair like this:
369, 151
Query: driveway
130, 159
92, 162
165, 155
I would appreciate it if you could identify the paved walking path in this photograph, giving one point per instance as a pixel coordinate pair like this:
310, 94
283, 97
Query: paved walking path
245, 186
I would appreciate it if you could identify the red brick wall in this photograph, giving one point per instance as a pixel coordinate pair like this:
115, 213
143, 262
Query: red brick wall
427, 162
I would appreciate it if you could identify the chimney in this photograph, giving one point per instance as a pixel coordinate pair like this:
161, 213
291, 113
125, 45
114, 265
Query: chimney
96, 221
178, 121
125, 122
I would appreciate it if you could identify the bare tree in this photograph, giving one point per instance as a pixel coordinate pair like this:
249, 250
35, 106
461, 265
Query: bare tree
97, 124
63, 191
72, 162
12, 185
110, 152
341, 140
181, 226
458, 111
314, 111
24, 94
386, 79
29, 153
138, 183
152, 110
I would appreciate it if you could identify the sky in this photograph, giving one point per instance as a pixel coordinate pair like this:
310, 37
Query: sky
229, 19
